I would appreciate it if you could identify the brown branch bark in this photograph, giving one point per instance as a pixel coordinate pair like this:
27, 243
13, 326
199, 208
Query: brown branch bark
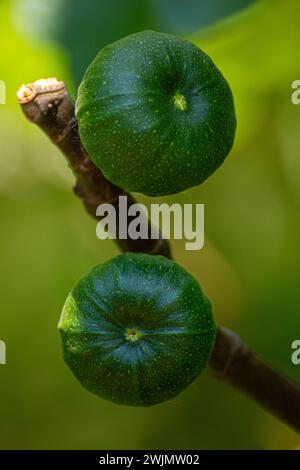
47, 104
234, 363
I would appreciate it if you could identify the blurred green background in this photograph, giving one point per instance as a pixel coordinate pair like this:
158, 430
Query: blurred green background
250, 266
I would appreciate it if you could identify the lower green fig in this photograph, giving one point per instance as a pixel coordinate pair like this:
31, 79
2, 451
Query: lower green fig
137, 330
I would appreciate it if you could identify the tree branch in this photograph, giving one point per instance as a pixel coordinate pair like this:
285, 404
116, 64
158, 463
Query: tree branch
234, 363
47, 104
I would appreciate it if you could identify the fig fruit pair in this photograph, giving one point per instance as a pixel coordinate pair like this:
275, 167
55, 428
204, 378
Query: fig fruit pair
157, 117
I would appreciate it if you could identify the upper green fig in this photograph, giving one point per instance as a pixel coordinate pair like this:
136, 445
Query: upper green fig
155, 114
137, 330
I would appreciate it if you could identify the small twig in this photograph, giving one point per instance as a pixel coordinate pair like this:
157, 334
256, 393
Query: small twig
47, 104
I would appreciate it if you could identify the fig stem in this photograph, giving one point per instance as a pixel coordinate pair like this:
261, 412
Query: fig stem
48, 104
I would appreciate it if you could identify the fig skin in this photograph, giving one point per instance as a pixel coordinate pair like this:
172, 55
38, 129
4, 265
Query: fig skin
155, 114
137, 330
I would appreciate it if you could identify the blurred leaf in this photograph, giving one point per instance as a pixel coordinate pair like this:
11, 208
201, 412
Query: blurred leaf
83, 27
23, 60
257, 50
253, 200
183, 17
